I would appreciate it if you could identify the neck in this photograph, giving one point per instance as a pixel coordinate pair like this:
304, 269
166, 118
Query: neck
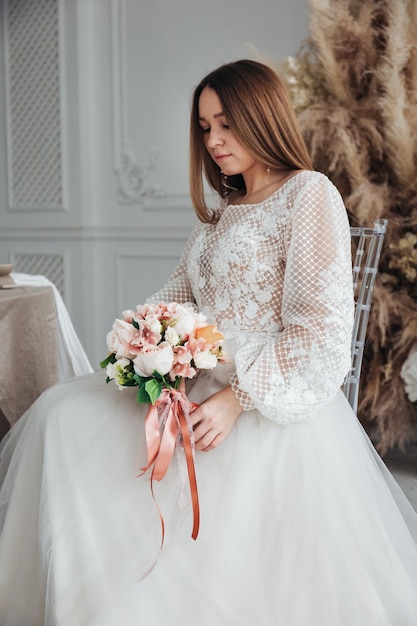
259, 187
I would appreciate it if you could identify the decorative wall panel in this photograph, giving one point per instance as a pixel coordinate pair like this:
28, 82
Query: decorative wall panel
32, 60
49, 265
138, 276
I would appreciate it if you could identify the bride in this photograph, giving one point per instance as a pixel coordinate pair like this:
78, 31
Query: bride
301, 522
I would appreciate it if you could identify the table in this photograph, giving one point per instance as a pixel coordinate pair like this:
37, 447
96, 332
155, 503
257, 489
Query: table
29, 361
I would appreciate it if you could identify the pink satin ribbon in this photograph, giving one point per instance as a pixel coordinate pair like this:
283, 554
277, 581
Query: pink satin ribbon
168, 424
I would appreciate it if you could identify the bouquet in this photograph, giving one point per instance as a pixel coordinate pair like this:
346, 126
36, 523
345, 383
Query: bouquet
156, 348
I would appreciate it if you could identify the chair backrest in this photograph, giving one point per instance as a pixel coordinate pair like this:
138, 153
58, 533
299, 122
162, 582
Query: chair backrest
366, 250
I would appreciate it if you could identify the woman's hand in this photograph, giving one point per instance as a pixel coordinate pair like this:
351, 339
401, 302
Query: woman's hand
214, 418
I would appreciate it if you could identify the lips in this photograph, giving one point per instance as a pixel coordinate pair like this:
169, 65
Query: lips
220, 157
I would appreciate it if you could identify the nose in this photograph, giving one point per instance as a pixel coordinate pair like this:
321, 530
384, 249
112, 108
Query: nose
215, 138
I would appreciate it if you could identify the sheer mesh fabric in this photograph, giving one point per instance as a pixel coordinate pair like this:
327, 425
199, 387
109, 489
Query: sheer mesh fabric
276, 277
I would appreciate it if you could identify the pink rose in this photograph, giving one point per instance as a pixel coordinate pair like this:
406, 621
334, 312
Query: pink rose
182, 369
121, 339
130, 340
181, 366
182, 354
128, 315
197, 345
148, 311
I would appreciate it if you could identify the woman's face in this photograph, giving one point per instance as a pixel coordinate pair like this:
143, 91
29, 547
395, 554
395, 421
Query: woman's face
231, 157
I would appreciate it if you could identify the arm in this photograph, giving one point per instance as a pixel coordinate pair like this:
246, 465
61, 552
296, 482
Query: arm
290, 376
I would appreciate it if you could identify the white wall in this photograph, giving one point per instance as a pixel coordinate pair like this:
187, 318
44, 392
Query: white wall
94, 136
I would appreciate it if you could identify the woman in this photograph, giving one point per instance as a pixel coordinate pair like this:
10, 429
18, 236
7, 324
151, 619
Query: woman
301, 523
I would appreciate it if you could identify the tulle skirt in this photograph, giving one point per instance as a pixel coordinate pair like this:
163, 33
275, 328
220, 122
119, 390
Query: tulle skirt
301, 525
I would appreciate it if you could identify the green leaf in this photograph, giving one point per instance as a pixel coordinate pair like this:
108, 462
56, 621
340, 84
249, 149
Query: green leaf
110, 359
142, 396
153, 389
135, 324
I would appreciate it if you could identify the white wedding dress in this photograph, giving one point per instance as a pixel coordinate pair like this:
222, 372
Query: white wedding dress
301, 523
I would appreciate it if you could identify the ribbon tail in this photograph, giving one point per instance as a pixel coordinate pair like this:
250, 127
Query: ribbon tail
163, 459
153, 437
167, 446
161, 456
191, 469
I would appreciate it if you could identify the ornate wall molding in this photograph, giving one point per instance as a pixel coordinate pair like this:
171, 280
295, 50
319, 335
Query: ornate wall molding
144, 232
133, 173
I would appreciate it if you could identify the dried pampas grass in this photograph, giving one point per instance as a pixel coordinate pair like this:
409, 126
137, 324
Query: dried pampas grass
354, 86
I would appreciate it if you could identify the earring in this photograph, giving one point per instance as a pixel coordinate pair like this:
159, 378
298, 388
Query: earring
268, 175
223, 178
227, 187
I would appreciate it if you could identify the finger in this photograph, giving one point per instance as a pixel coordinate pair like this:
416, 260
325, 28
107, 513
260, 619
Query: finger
200, 430
195, 417
214, 444
204, 441
194, 420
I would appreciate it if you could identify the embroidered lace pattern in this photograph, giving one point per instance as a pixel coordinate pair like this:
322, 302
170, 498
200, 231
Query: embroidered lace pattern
276, 277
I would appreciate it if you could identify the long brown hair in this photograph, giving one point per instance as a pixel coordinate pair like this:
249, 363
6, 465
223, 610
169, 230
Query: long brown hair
261, 116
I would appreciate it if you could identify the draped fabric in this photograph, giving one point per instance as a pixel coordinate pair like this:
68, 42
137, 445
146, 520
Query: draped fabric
73, 360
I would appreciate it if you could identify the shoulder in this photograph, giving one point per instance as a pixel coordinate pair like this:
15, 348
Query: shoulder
315, 189
312, 179
316, 204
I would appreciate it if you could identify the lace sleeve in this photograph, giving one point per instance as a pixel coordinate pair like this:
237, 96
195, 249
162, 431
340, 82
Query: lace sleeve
291, 375
178, 287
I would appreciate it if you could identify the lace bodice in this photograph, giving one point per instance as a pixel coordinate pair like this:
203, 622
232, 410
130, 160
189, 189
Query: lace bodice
276, 277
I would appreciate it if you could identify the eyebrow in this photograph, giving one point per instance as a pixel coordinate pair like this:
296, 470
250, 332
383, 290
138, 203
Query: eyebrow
216, 115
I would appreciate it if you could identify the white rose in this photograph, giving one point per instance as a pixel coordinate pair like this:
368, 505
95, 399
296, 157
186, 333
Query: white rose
185, 323
205, 360
122, 363
116, 371
111, 370
160, 358
171, 336
154, 324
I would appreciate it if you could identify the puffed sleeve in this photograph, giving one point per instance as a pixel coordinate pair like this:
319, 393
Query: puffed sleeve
291, 375
178, 288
